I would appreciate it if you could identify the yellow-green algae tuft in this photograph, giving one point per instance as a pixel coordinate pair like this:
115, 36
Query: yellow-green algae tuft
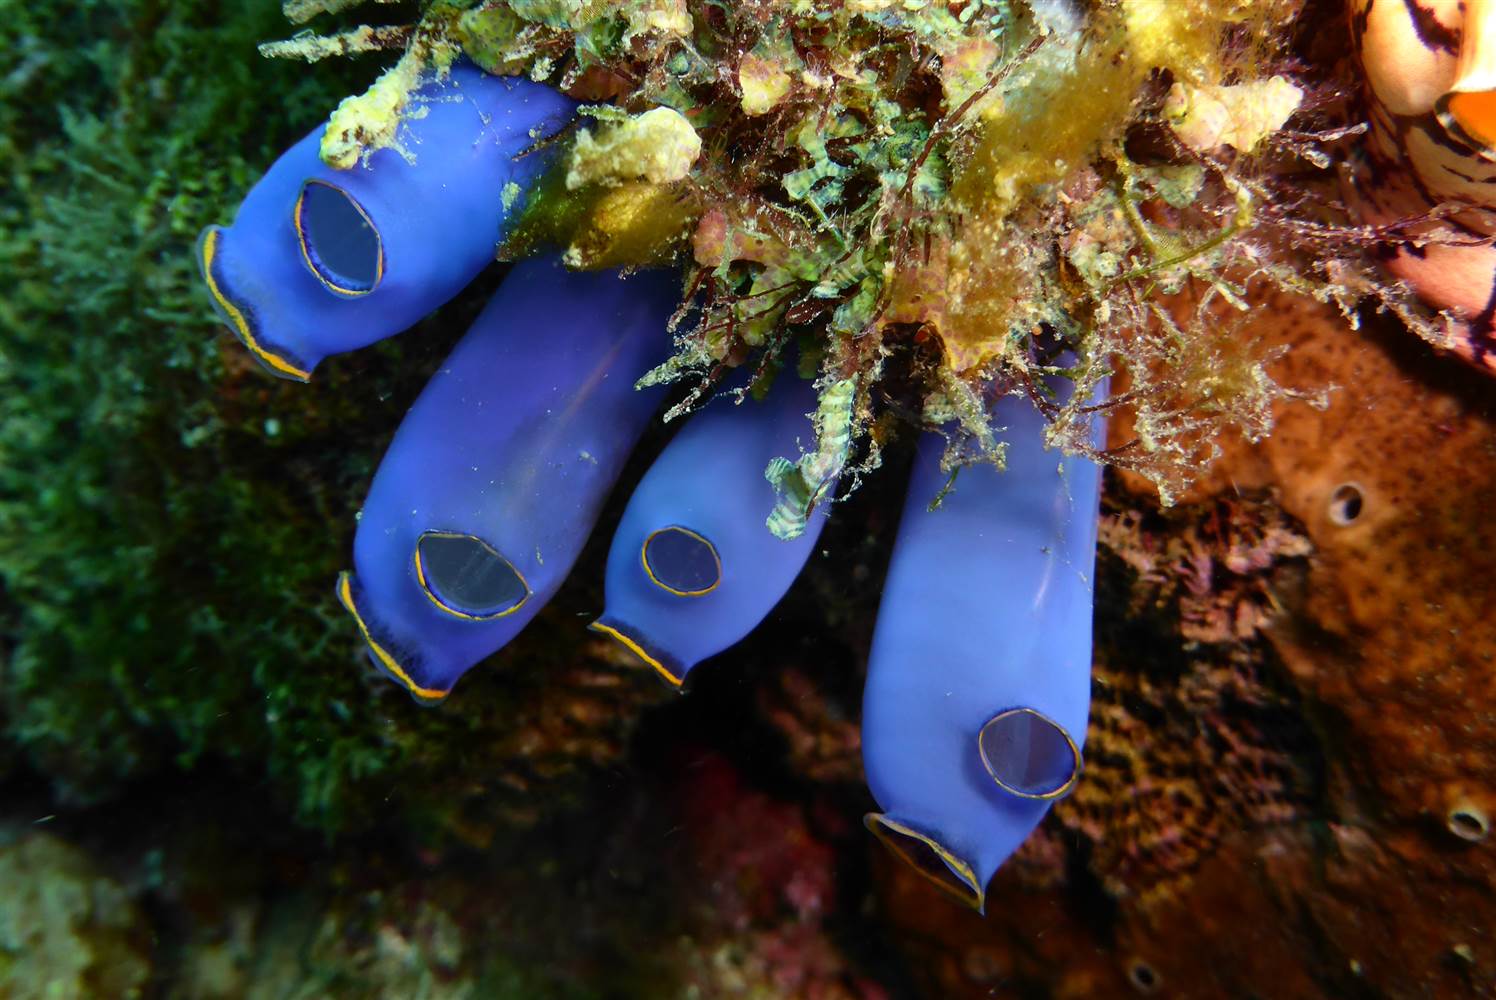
929, 199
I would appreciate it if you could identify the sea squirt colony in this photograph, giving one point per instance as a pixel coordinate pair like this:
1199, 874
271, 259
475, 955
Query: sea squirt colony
497, 474
978, 682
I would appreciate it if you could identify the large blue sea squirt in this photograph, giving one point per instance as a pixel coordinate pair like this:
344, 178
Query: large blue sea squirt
693, 567
320, 260
496, 475
979, 679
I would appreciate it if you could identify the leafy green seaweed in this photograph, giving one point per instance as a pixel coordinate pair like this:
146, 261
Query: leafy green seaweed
164, 552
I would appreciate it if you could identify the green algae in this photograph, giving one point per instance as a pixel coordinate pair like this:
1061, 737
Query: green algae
165, 555
137, 520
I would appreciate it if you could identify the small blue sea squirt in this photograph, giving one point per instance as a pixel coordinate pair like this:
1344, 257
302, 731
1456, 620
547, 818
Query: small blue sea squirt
693, 568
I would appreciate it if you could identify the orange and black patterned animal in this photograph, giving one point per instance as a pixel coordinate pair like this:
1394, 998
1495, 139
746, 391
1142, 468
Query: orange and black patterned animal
1430, 73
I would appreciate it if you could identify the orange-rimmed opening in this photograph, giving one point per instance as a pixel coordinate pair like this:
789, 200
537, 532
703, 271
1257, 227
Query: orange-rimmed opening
681, 561
1029, 755
466, 577
656, 661
385, 658
930, 858
240, 320
338, 240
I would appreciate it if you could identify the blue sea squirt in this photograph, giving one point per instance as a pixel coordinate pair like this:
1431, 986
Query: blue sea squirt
496, 475
321, 260
833, 221
694, 567
974, 712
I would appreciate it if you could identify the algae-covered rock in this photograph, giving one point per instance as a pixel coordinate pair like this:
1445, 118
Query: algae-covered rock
66, 929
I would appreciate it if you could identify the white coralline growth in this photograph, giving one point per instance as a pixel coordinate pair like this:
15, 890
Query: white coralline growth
658, 146
1240, 115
